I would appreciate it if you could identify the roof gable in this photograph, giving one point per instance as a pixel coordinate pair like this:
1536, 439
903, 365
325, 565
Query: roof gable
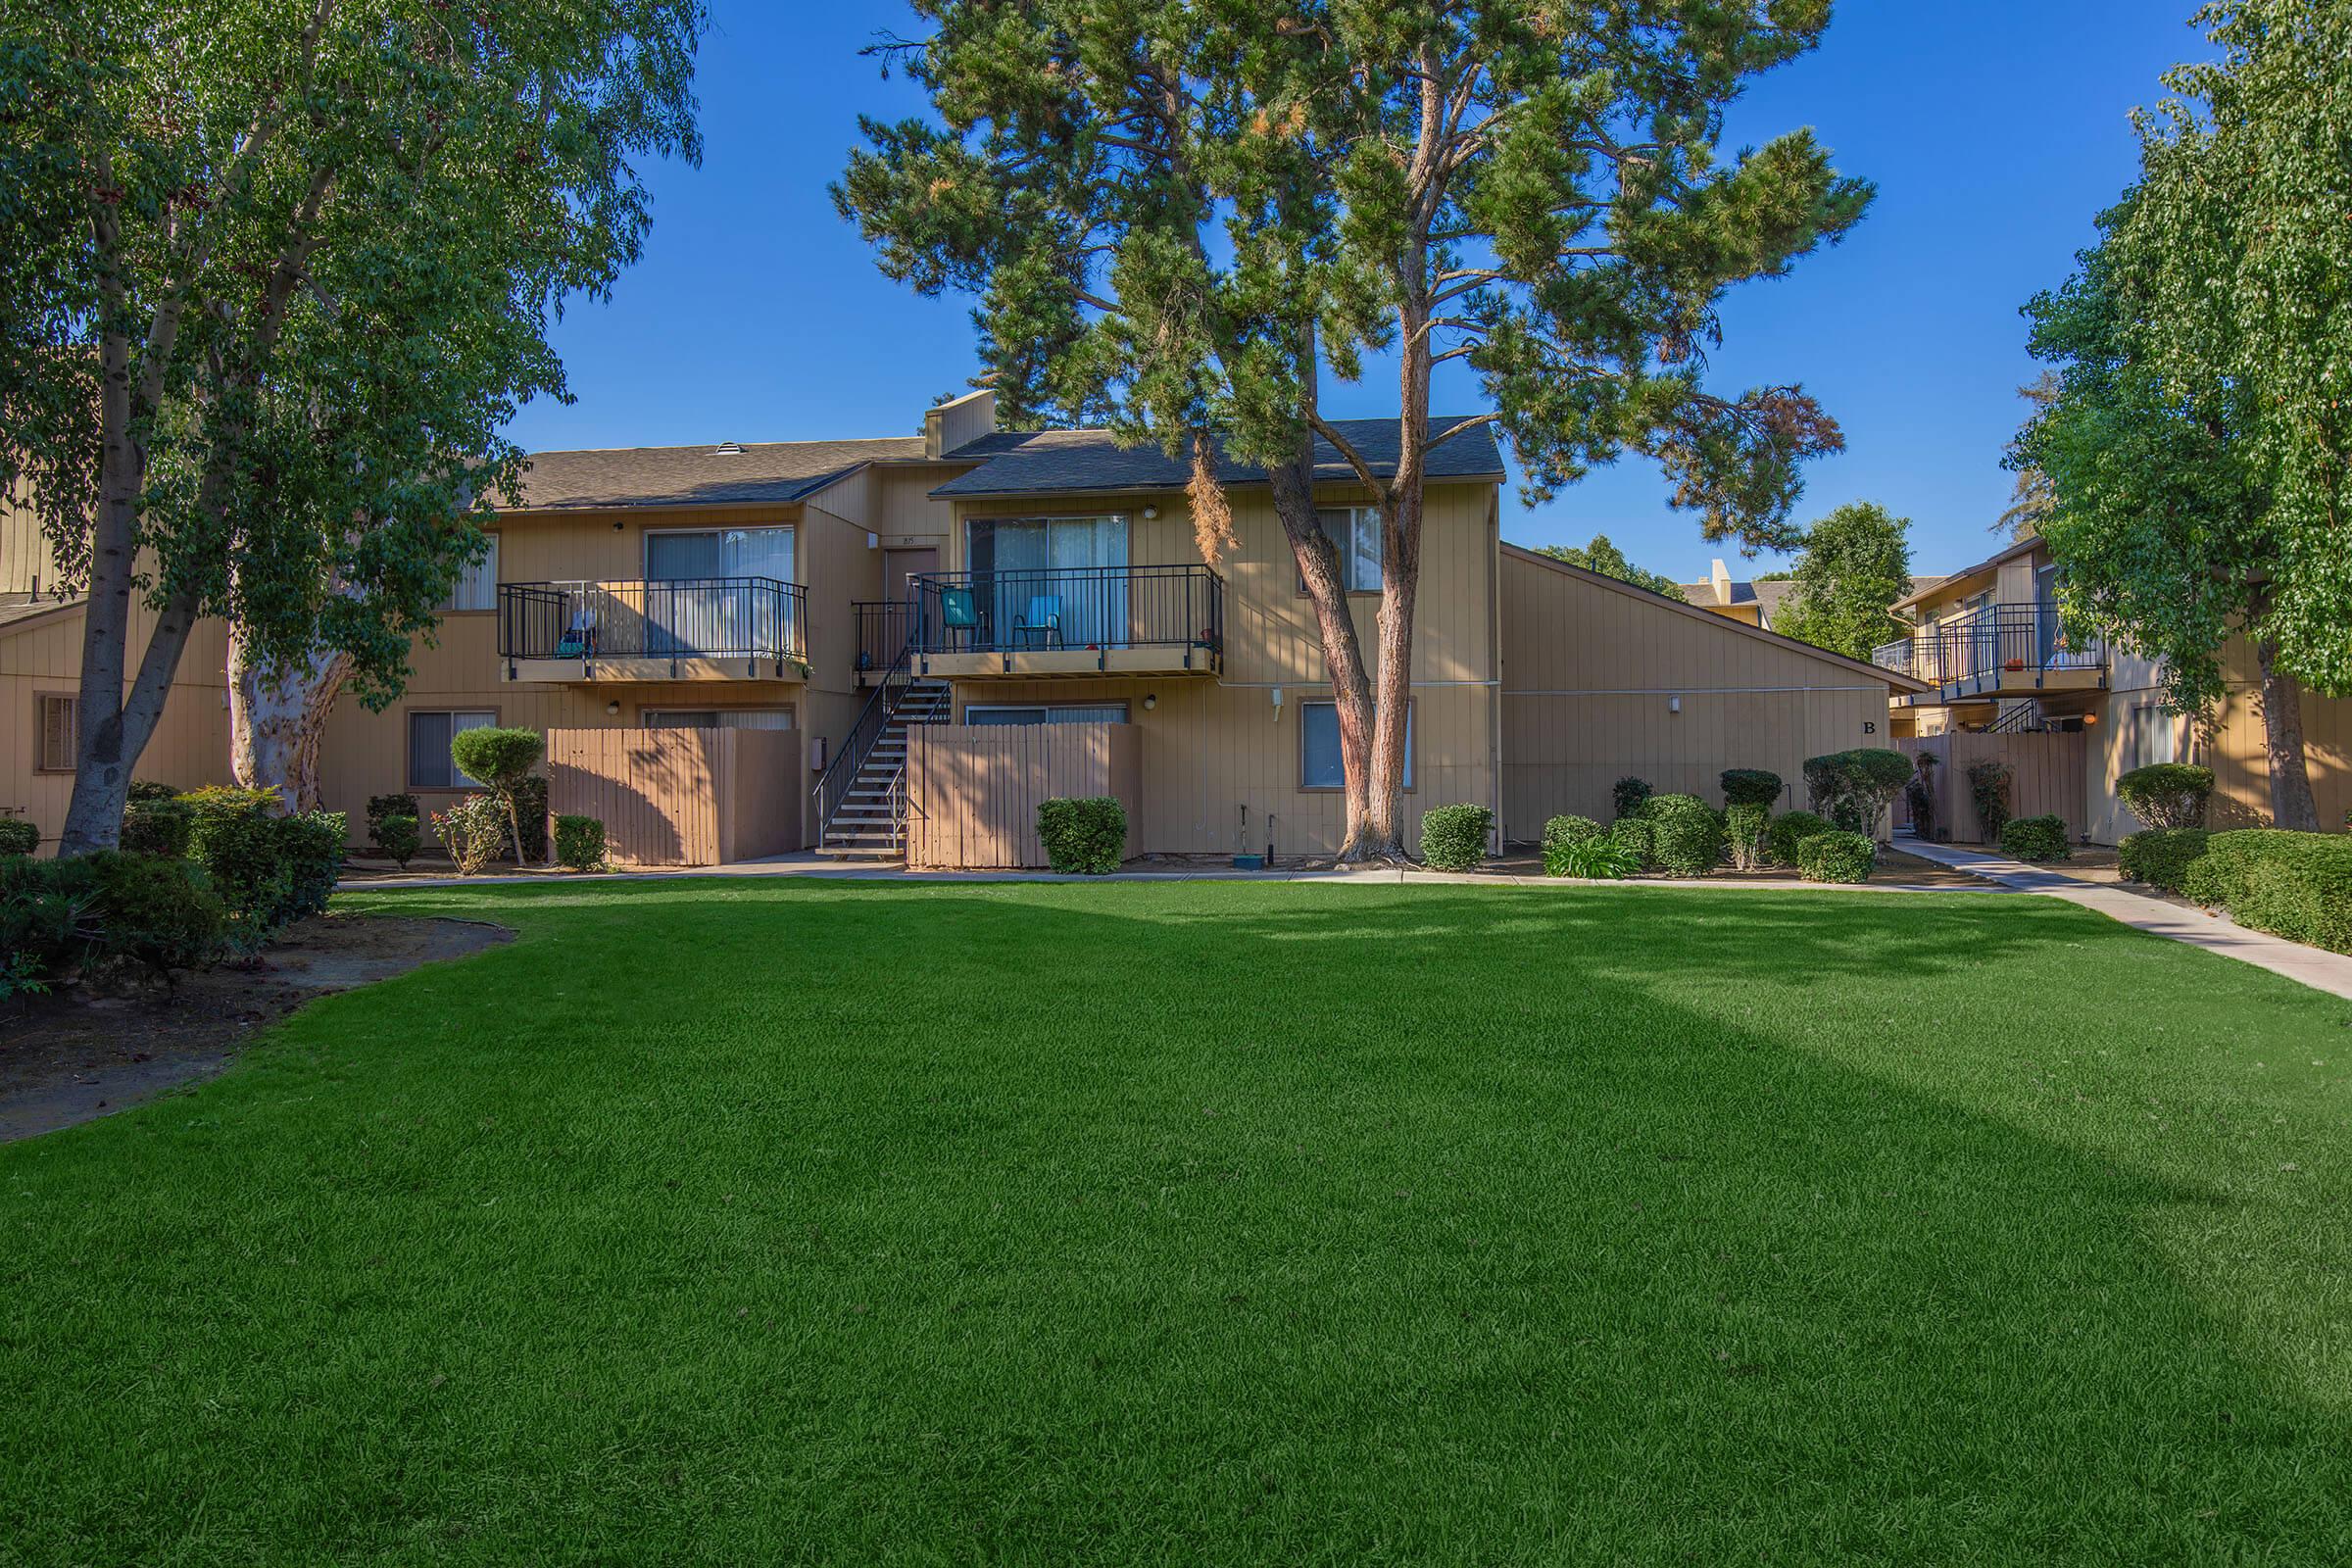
776, 471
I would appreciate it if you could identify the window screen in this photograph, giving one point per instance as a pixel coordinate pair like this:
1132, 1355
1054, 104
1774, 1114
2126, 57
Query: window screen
61, 733
1354, 534
429, 767
1319, 764
477, 586
1048, 713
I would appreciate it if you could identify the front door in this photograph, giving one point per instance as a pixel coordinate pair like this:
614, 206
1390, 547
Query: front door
900, 565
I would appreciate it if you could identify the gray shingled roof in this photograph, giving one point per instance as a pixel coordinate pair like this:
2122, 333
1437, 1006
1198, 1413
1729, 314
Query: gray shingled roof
1768, 595
1041, 462
677, 476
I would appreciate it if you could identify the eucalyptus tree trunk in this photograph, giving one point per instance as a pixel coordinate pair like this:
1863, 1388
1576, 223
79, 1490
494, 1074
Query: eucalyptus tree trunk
2292, 803
275, 718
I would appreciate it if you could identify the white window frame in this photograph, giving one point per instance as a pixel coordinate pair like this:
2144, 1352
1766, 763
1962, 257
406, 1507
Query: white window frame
42, 704
1362, 529
478, 582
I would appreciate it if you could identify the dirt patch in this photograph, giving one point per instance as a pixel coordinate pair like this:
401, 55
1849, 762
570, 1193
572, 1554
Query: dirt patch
71, 1058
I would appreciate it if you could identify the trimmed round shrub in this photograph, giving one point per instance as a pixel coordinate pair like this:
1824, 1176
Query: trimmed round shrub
1787, 831
233, 835
398, 839
2293, 885
1564, 833
1743, 828
1637, 836
579, 842
1454, 838
2161, 856
382, 807
501, 759
2167, 794
2037, 838
1687, 834
19, 835
1086, 835
311, 845
1750, 786
1853, 789
1628, 795
153, 826
157, 911
1836, 856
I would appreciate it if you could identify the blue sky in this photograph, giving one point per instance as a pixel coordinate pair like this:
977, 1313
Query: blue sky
1994, 130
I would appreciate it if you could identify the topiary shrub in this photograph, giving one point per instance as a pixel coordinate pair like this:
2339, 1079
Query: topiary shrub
1988, 788
1750, 786
2218, 877
530, 810
1836, 856
311, 844
157, 827
19, 835
380, 808
501, 759
1454, 838
234, 834
1744, 827
1687, 835
473, 831
1628, 795
1086, 835
1562, 834
1853, 789
2167, 794
2293, 885
2161, 856
1637, 836
398, 839
1787, 831
579, 842
2037, 838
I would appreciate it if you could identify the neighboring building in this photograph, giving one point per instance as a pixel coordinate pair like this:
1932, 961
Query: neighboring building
1991, 648
850, 593
1755, 604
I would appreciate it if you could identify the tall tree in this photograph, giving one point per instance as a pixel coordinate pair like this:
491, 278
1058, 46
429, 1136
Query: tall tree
1179, 217
1856, 564
1605, 558
2029, 496
2199, 450
300, 264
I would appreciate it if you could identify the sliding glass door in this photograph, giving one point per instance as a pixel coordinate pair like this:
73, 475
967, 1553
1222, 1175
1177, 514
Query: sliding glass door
1053, 582
696, 598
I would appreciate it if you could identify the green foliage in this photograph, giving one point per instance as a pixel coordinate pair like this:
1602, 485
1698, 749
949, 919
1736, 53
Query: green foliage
1856, 564
1750, 786
1454, 838
2167, 794
1788, 831
269, 870
530, 808
1743, 828
61, 917
2037, 838
1086, 835
148, 789
1853, 789
502, 759
579, 842
1564, 833
1606, 558
157, 826
19, 835
474, 831
48, 921
1629, 796
2161, 856
1600, 859
1637, 836
1686, 834
311, 843
1989, 784
398, 838
379, 807
2293, 885
1836, 856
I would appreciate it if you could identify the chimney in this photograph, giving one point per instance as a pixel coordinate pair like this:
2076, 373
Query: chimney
958, 423
1722, 578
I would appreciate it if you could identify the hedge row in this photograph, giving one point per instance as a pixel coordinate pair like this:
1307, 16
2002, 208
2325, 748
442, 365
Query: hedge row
2293, 885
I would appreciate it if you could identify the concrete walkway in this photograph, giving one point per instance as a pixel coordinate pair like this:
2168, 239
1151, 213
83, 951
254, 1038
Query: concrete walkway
2316, 968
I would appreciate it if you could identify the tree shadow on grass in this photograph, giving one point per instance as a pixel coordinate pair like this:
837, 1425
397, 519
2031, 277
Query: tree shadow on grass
866, 1224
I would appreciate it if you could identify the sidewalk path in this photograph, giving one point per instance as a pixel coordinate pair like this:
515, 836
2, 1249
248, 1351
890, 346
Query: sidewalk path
2316, 968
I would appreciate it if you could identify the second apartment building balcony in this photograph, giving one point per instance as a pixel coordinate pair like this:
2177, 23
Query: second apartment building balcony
695, 628
1047, 621
1998, 651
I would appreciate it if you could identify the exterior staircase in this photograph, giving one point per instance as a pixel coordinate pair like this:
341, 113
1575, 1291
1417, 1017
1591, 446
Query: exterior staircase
869, 822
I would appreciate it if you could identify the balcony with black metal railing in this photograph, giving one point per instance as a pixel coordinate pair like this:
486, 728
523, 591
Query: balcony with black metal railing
1051, 620
699, 628
1998, 651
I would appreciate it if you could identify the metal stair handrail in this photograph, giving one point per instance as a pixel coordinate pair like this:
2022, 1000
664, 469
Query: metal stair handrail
841, 769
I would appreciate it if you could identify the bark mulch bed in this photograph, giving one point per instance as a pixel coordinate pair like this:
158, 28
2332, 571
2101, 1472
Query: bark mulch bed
72, 1057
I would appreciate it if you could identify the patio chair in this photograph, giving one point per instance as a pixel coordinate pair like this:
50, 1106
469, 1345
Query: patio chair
1040, 623
580, 639
959, 614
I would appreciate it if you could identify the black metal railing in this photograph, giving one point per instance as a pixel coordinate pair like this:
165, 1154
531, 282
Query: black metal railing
691, 618
2013, 639
882, 630
841, 768
1097, 608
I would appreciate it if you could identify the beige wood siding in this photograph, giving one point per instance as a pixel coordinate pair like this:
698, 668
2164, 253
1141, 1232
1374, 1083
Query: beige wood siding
1590, 671
678, 796
972, 791
27, 562
2046, 774
2232, 744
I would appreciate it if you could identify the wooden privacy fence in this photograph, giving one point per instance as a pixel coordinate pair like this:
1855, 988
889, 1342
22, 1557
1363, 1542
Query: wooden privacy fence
679, 795
2048, 773
972, 790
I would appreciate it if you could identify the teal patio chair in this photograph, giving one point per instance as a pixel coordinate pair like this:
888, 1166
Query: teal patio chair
1040, 623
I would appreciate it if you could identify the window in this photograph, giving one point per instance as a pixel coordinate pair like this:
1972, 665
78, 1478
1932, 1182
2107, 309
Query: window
429, 767
478, 585
671, 556
716, 718
59, 719
1052, 582
1047, 714
1319, 764
1354, 532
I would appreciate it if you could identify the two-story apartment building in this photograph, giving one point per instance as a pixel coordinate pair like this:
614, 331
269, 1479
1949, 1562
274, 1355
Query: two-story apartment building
846, 591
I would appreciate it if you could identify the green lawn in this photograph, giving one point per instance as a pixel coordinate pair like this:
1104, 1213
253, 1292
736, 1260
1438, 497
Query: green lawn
768, 1221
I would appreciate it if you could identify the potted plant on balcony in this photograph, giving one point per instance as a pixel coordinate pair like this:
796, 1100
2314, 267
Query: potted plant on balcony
2013, 666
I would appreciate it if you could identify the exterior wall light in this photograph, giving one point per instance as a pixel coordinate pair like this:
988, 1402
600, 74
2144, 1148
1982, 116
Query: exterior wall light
1150, 514
1150, 701
613, 708
1674, 705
